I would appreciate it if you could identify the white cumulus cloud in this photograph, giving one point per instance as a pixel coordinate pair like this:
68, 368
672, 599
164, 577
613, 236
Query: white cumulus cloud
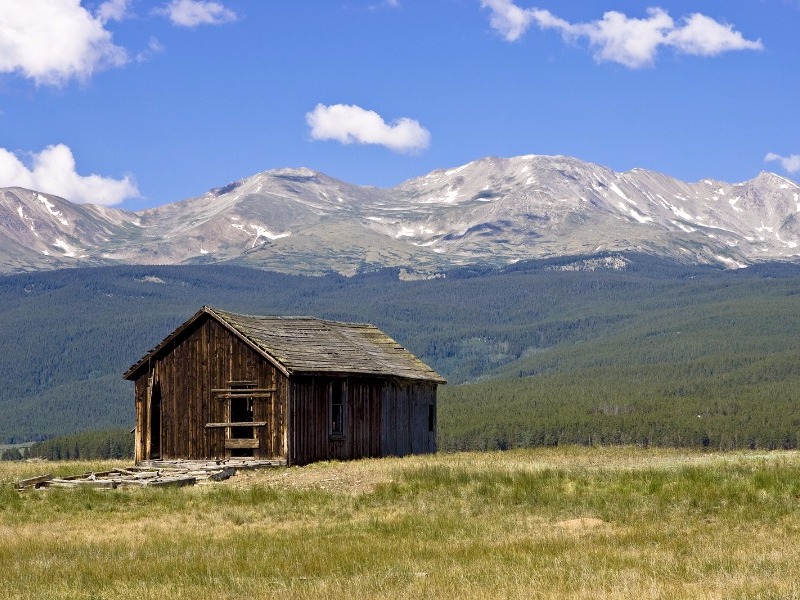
55, 41
350, 124
790, 164
703, 36
625, 40
52, 171
508, 18
191, 13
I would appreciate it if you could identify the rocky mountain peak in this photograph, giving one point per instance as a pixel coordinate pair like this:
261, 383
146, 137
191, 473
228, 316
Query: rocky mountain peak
492, 210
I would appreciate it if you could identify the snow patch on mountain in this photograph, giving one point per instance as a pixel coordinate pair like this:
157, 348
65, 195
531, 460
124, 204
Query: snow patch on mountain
69, 252
614, 263
613, 187
731, 262
51, 208
405, 232
27, 220
262, 232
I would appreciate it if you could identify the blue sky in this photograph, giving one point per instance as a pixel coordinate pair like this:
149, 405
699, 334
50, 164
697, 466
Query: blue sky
136, 103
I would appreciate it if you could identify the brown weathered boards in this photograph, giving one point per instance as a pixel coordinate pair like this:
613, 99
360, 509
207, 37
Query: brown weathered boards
299, 389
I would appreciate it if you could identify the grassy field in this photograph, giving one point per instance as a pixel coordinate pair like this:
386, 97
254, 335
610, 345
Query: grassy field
543, 523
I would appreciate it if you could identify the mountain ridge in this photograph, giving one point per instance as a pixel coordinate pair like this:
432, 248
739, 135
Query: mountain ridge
491, 211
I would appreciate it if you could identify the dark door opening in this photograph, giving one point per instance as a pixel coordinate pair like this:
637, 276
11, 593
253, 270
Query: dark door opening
242, 412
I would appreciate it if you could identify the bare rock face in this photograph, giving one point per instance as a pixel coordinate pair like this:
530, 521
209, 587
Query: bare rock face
491, 211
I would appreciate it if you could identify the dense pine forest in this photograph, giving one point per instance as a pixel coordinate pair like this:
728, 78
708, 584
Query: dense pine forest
88, 445
536, 353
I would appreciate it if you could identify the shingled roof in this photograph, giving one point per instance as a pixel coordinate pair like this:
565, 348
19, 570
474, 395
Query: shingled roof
307, 345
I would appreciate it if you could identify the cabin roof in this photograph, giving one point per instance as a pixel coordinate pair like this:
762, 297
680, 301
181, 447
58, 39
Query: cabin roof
307, 345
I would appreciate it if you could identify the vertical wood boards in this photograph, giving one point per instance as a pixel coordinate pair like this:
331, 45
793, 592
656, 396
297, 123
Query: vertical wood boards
204, 358
141, 394
382, 416
404, 418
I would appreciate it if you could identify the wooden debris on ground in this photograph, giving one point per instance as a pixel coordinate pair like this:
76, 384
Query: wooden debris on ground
154, 473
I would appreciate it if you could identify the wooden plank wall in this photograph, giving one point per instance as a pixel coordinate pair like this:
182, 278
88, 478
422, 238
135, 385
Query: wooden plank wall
209, 357
308, 420
382, 418
140, 400
363, 418
404, 418
309, 433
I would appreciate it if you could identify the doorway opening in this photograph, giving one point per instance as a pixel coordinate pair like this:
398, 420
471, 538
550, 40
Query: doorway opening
155, 422
242, 440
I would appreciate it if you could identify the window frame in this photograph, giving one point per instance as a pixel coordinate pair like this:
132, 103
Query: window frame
337, 395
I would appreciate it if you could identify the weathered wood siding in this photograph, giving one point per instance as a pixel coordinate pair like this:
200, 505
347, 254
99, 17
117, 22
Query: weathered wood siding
381, 418
408, 418
362, 418
140, 397
202, 359
309, 422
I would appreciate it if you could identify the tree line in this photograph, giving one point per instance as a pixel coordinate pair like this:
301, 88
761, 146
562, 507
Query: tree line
103, 444
596, 347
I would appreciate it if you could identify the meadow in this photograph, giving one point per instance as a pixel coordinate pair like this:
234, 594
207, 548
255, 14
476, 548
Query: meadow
566, 522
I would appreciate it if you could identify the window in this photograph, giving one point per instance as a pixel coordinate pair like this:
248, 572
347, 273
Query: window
241, 409
337, 407
431, 418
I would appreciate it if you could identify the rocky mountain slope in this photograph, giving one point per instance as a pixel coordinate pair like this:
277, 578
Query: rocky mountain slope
489, 211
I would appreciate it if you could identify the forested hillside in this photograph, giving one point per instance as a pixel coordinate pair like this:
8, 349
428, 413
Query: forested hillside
657, 353
99, 444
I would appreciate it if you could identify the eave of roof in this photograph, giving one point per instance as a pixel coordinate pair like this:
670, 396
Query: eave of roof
300, 347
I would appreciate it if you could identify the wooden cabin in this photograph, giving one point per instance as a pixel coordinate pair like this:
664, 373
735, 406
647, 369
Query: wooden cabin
293, 389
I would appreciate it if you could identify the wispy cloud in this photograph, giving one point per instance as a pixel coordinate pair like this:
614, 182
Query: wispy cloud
350, 124
113, 10
790, 164
632, 42
52, 171
191, 13
55, 41
153, 47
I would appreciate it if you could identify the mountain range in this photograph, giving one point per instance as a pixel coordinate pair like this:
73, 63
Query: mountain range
491, 211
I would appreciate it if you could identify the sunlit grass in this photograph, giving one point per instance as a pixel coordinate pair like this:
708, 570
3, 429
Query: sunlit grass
547, 523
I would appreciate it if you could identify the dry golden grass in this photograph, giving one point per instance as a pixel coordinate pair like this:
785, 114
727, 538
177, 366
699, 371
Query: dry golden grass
548, 523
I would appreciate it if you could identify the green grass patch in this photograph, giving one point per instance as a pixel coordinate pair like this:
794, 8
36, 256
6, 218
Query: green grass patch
545, 523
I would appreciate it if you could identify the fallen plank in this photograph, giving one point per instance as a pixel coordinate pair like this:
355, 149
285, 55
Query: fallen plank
225, 473
88, 476
176, 482
128, 471
145, 475
33, 481
132, 482
106, 484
